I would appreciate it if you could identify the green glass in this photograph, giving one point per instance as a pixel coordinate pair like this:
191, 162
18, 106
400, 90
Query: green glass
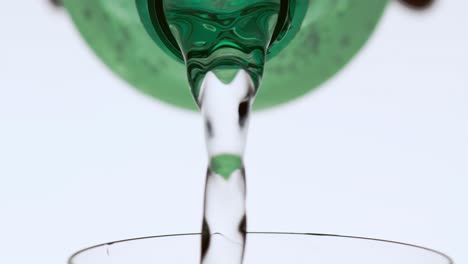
214, 35
318, 38
226, 164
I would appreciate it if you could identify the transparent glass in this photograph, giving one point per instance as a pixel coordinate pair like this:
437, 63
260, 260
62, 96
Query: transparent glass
263, 248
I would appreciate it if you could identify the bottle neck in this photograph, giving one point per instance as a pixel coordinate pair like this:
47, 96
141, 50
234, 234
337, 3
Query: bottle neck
154, 17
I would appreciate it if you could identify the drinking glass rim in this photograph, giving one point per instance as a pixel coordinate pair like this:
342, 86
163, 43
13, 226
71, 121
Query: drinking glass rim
448, 258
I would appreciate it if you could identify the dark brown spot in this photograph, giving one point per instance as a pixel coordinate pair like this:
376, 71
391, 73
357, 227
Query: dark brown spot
418, 4
57, 3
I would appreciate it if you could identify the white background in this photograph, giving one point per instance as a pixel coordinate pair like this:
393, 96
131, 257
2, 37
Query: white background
379, 151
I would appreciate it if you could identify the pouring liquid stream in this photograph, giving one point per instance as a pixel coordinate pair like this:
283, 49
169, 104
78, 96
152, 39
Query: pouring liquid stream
224, 44
225, 109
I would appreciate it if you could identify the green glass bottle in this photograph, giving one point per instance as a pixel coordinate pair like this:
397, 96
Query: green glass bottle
312, 40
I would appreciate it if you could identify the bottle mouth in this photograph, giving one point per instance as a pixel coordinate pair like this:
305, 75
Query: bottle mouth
291, 14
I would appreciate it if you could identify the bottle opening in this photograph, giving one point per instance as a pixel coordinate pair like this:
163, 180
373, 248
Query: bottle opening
153, 15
